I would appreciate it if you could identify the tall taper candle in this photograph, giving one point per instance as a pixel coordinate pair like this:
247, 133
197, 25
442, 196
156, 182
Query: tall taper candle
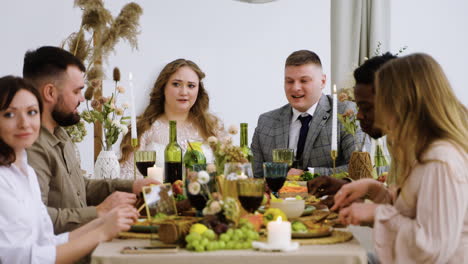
334, 139
132, 114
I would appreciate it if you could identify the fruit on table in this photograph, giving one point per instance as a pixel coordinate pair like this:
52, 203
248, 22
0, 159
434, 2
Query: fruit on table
272, 214
198, 228
298, 226
238, 238
178, 187
256, 220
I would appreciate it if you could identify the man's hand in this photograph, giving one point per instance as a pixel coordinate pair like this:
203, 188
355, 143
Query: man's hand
324, 185
294, 171
139, 184
358, 214
116, 199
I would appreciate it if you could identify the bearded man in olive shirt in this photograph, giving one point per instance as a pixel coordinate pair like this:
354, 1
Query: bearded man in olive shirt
71, 199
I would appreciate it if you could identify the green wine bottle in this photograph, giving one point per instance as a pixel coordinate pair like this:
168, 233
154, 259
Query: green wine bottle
244, 142
172, 156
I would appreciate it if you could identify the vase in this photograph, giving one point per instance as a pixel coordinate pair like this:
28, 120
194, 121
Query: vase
360, 165
107, 166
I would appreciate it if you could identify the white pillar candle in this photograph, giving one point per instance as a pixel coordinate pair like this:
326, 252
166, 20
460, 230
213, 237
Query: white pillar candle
156, 173
334, 139
279, 234
133, 111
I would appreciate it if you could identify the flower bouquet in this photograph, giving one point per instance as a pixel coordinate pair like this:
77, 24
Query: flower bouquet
106, 111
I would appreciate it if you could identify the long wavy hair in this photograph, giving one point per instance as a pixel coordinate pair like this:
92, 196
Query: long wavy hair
206, 122
414, 97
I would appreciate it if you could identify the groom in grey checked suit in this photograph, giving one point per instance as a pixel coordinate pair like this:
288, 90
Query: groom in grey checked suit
304, 124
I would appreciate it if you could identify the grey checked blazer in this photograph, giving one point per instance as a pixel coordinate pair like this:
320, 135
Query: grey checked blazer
272, 132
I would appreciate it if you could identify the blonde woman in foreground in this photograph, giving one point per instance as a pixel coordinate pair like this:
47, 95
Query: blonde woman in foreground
426, 219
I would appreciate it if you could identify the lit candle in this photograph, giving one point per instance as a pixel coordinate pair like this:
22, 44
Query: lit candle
132, 114
279, 234
334, 139
156, 173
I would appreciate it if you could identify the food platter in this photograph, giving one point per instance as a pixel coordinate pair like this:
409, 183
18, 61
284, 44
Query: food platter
307, 210
321, 231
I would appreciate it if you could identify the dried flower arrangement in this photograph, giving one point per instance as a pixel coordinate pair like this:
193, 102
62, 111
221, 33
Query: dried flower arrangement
98, 34
224, 151
106, 111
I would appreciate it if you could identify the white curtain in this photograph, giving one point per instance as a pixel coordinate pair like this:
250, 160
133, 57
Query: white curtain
357, 26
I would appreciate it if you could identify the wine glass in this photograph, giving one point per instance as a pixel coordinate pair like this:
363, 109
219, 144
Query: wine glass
250, 193
284, 155
199, 200
237, 170
275, 174
145, 159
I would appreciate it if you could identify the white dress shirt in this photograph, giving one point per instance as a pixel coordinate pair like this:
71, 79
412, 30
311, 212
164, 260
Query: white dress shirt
26, 231
295, 126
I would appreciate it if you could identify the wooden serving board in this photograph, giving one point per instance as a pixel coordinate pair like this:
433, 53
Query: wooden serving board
337, 236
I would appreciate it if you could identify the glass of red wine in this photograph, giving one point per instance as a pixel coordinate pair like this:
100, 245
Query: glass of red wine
145, 159
275, 174
250, 193
198, 198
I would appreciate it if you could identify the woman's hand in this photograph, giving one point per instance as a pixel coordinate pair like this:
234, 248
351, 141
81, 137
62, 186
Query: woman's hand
358, 214
351, 192
117, 220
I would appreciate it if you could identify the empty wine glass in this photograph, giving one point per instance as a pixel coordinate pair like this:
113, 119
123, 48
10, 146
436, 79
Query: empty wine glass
145, 159
238, 171
275, 174
283, 155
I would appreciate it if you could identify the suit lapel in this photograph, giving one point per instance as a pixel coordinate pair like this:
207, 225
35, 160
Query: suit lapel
281, 139
320, 117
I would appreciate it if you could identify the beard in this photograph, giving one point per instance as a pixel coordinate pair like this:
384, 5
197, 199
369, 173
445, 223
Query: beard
63, 118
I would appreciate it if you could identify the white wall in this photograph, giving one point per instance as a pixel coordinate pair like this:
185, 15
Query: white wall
241, 47
439, 28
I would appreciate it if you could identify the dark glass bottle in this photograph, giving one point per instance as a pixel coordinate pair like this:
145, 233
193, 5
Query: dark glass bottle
172, 156
244, 142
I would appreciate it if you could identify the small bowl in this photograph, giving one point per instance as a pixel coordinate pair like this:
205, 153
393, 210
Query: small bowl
291, 208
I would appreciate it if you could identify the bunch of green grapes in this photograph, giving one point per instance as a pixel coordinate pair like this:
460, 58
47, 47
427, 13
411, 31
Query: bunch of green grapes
234, 238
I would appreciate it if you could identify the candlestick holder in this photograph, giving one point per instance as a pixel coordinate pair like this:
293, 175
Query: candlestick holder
334, 155
134, 142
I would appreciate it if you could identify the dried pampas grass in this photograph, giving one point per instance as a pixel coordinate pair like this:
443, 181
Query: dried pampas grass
124, 26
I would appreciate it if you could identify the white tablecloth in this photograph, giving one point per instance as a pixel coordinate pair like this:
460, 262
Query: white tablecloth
343, 253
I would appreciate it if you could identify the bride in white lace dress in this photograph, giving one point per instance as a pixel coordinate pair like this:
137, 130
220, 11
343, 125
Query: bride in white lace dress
178, 94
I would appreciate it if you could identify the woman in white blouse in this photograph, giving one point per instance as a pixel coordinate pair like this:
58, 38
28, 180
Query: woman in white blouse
178, 94
26, 232
426, 219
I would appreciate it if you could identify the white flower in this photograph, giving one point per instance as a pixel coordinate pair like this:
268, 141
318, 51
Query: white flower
126, 105
120, 89
210, 168
212, 140
194, 188
124, 129
227, 141
109, 116
215, 207
116, 123
233, 129
203, 177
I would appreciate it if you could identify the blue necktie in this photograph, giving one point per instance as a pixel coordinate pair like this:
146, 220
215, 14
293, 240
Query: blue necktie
305, 120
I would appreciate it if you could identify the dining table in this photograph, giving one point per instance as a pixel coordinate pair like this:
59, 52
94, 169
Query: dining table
350, 252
